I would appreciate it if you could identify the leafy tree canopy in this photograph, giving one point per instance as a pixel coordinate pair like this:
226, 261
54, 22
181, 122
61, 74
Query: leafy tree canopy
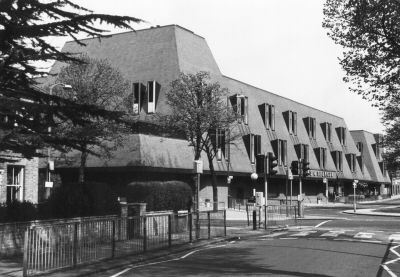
26, 111
369, 31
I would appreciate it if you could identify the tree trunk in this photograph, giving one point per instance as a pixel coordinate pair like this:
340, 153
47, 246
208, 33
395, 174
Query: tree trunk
213, 180
82, 167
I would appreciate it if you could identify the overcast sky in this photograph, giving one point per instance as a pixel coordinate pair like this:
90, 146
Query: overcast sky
276, 45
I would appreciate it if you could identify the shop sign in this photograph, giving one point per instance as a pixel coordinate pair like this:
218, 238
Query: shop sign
322, 174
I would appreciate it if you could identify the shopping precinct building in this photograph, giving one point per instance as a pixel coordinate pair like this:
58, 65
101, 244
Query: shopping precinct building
150, 59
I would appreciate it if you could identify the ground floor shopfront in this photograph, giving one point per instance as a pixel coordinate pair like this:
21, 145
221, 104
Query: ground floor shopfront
240, 188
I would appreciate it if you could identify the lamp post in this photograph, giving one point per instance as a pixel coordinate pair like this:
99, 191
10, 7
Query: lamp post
254, 177
50, 164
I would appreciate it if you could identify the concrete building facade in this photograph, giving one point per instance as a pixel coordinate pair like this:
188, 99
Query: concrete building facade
151, 59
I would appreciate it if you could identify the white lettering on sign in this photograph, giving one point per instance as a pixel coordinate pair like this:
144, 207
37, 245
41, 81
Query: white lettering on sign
322, 174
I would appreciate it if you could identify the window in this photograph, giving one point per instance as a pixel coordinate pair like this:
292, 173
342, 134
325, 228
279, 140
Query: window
382, 166
253, 146
351, 160
337, 157
268, 116
311, 127
218, 141
291, 121
320, 152
360, 147
280, 150
302, 151
341, 132
15, 183
360, 163
327, 130
152, 90
136, 95
240, 106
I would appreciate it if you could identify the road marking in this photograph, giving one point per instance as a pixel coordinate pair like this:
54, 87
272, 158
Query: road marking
370, 241
385, 267
165, 261
363, 235
273, 235
322, 223
287, 238
333, 234
303, 234
394, 237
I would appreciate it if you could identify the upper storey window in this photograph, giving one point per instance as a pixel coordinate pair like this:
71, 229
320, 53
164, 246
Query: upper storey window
377, 146
137, 92
268, 116
360, 147
280, 150
240, 106
253, 146
320, 152
218, 140
327, 130
351, 160
337, 157
302, 151
311, 127
145, 97
341, 132
151, 96
291, 121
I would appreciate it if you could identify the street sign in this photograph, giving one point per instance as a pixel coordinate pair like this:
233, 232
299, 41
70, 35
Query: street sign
48, 184
198, 166
324, 180
290, 175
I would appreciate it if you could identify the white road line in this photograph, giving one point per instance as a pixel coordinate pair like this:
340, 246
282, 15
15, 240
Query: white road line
388, 270
363, 235
333, 234
287, 238
394, 237
322, 223
273, 235
165, 261
303, 234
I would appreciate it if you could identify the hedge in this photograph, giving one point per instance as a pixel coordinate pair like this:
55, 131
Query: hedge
80, 199
160, 196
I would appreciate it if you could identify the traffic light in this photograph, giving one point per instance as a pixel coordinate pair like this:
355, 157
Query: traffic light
295, 168
306, 169
273, 163
260, 164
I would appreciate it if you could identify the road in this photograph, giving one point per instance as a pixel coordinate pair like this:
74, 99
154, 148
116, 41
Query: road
348, 245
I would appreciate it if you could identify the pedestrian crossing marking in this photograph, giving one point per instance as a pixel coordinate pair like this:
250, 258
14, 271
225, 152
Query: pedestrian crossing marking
364, 235
303, 234
274, 235
333, 234
394, 237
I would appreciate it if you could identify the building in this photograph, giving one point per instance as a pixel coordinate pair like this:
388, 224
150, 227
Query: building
150, 59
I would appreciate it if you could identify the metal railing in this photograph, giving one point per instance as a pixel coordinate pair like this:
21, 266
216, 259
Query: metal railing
272, 215
56, 246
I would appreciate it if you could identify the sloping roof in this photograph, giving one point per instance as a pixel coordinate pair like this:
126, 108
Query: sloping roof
370, 159
161, 54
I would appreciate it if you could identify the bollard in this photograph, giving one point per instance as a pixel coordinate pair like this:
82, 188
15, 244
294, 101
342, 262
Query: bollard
254, 220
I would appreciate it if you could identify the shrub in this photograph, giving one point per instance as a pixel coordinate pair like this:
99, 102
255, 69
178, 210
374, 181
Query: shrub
80, 199
18, 211
159, 196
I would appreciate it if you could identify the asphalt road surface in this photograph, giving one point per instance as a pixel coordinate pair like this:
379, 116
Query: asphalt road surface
346, 245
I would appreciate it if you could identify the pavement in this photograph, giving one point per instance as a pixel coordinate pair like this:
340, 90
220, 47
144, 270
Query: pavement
11, 268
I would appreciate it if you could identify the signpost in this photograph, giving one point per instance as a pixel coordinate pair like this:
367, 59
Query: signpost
354, 195
198, 169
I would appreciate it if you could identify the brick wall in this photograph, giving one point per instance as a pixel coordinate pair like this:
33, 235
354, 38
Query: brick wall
31, 179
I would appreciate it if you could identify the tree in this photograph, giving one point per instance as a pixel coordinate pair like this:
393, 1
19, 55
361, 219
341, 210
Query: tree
197, 107
369, 31
26, 111
94, 82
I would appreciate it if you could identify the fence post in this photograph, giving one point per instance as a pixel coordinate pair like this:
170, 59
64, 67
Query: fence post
209, 224
295, 215
113, 239
25, 259
75, 245
190, 217
225, 223
144, 234
254, 219
169, 230
259, 217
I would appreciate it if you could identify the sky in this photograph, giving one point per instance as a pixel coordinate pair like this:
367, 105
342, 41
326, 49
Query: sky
276, 45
